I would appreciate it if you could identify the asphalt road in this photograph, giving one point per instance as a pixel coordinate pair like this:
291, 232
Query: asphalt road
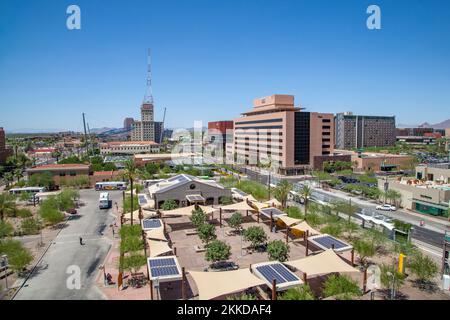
49, 279
432, 233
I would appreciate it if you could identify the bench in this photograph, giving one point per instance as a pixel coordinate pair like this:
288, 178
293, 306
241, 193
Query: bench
191, 232
199, 249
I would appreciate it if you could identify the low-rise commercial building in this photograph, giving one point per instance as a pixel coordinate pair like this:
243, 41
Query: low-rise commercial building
370, 161
129, 147
185, 190
416, 140
428, 193
63, 173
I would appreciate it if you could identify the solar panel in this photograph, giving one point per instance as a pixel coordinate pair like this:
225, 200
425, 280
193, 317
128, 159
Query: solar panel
275, 212
195, 197
285, 272
151, 223
162, 262
328, 241
270, 274
164, 271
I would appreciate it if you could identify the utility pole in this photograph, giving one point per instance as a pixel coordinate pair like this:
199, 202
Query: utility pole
85, 133
90, 138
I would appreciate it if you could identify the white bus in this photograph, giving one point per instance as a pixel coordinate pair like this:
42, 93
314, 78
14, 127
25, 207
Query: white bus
30, 190
111, 185
104, 201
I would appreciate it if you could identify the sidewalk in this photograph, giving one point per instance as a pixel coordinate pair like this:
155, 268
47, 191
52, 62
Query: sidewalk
111, 263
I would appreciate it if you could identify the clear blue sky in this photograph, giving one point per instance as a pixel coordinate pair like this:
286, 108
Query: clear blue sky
212, 58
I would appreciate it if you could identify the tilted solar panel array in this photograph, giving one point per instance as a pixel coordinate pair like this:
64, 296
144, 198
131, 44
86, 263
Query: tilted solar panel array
163, 267
151, 223
277, 272
328, 241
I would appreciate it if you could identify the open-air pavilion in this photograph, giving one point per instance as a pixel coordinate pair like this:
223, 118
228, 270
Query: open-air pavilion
212, 285
187, 211
325, 262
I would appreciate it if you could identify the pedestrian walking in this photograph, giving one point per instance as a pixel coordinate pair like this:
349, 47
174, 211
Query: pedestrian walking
81, 241
113, 231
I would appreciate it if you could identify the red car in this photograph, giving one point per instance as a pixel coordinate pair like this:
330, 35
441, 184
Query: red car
72, 211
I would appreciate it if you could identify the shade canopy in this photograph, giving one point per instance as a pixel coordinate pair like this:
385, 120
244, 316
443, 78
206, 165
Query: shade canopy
303, 227
146, 215
156, 234
273, 203
187, 211
250, 198
323, 263
158, 247
240, 206
211, 285
289, 221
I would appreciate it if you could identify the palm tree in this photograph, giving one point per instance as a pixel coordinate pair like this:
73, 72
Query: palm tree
8, 176
130, 174
18, 173
305, 193
282, 191
7, 205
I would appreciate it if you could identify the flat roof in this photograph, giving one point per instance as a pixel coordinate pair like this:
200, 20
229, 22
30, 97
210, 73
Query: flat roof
130, 143
74, 166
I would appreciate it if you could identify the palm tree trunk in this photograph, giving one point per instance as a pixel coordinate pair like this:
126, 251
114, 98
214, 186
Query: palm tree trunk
131, 204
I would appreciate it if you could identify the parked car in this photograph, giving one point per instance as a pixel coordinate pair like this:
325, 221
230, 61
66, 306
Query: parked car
386, 207
72, 211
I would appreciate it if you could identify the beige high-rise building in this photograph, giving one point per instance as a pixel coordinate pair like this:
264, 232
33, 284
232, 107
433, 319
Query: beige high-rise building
277, 132
144, 130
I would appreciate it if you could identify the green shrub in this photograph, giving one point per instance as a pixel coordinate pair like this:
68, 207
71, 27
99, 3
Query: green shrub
198, 217
235, 221
6, 229
30, 226
24, 213
302, 292
217, 251
294, 212
18, 256
169, 205
278, 250
341, 287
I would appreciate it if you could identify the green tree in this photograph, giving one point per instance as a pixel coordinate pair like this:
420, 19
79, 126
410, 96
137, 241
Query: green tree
217, 251
302, 292
341, 287
335, 229
422, 267
305, 193
7, 205
44, 179
235, 221
198, 217
282, 190
130, 173
278, 250
6, 229
151, 168
390, 277
255, 235
134, 231
294, 212
365, 249
18, 256
169, 205
206, 233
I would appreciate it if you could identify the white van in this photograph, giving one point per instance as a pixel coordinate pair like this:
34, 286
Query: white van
104, 201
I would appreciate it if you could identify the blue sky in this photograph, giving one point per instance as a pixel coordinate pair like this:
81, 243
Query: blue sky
211, 58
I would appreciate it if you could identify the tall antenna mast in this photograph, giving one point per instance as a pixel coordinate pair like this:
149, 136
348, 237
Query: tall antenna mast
149, 95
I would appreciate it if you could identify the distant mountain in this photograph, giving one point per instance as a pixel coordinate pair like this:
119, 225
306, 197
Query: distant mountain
101, 130
441, 125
